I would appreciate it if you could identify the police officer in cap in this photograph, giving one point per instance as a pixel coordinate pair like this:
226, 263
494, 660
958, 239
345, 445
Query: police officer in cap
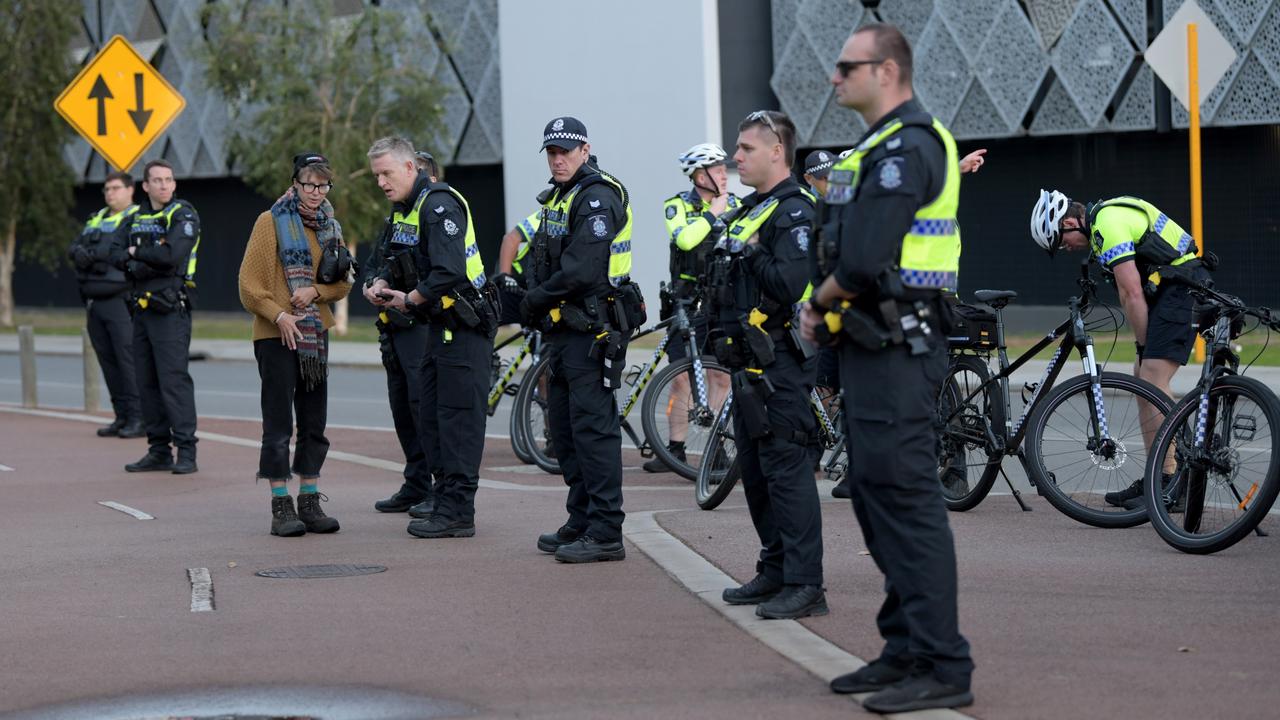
759, 274
403, 343
578, 292
451, 294
161, 263
104, 290
896, 252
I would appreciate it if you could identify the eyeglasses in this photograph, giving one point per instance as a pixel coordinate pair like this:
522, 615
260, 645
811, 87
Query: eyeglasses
844, 67
322, 188
763, 116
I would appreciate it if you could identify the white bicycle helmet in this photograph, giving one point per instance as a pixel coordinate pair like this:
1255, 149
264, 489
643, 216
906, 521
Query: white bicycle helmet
704, 155
1046, 220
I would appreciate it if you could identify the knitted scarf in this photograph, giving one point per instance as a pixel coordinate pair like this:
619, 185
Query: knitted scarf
295, 256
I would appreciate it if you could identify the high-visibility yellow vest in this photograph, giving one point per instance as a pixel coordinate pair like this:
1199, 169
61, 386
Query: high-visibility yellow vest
744, 226
407, 228
1163, 242
156, 225
555, 222
104, 223
527, 228
930, 255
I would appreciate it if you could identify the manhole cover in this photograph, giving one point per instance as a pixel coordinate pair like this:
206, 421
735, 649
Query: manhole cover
306, 572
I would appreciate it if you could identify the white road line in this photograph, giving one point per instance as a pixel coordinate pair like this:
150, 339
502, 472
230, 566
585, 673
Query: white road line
788, 637
126, 509
201, 589
5, 468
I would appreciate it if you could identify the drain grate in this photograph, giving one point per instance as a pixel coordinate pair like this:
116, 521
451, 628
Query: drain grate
307, 572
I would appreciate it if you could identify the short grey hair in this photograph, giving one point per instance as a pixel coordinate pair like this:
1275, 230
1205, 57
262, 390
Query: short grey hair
394, 145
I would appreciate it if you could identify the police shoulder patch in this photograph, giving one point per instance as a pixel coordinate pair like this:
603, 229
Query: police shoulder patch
450, 227
599, 227
671, 211
801, 237
189, 229
891, 173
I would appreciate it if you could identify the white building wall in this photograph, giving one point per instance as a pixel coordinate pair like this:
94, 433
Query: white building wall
646, 87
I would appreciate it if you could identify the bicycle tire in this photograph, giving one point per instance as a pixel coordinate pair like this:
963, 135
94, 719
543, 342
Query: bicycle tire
962, 442
1083, 501
519, 444
1187, 532
530, 409
701, 419
716, 478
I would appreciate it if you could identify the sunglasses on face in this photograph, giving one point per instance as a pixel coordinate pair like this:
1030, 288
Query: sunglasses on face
844, 67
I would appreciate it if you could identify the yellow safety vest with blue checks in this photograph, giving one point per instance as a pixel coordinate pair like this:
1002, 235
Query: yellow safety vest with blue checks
104, 223
527, 228
408, 225
156, 225
744, 226
555, 222
930, 255
1153, 239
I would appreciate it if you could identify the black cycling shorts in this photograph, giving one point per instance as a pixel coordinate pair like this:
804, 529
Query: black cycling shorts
676, 347
1171, 322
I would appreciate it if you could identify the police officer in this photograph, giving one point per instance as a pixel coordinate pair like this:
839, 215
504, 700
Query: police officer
693, 226
893, 221
452, 294
402, 341
758, 274
512, 255
1151, 259
161, 263
580, 291
104, 290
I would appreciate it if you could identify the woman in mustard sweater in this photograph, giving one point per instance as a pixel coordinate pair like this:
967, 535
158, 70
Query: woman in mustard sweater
291, 321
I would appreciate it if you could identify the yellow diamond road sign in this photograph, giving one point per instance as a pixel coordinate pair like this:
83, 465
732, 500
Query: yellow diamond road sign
120, 103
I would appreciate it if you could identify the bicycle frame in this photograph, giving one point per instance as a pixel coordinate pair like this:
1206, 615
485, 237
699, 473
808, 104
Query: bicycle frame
531, 345
681, 325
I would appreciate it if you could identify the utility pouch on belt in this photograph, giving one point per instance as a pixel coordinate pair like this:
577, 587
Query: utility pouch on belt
757, 338
405, 271
751, 391
862, 329
575, 318
666, 302
730, 353
803, 347
463, 309
395, 318
630, 303
608, 349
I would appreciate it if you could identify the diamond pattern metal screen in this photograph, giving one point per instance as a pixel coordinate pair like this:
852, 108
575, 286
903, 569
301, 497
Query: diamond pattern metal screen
464, 58
1001, 68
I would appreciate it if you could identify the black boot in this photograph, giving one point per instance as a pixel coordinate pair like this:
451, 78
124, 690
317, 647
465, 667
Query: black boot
1119, 498
795, 601
398, 503
655, 465
424, 509
873, 677
754, 591
438, 526
284, 519
111, 430
153, 461
312, 516
132, 429
841, 490
587, 549
919, 692
186, 462
550, 542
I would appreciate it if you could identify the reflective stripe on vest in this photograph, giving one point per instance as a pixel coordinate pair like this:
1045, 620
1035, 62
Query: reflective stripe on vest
527, 227
407, 227
108, 223
150, 224
930, 255
555, 221
1184, 246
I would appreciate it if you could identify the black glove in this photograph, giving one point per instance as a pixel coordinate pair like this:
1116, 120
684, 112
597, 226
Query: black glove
81, 257
508, 284
527, 313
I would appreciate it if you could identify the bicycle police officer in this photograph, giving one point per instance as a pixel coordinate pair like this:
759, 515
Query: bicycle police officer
897, 250
104, 290
448, 289
1148, 256
580, 292
402, 341
161, 263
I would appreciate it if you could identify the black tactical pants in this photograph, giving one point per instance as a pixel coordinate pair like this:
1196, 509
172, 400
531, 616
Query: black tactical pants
111, 333
284, 395
777, 477
402, 352
161, 343
454, 386
587, 435
890, 401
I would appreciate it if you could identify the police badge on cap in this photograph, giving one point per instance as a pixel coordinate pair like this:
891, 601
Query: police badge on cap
564, 132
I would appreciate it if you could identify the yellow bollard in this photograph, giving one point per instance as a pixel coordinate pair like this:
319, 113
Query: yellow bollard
1197, 209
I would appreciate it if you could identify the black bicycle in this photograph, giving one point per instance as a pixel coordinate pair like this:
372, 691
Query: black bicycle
1213, 476
1077, 440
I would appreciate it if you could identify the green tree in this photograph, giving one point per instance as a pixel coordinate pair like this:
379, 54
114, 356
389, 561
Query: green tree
36, 190
298, 77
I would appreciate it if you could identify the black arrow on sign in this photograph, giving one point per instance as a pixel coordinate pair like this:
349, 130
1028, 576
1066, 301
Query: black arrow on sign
140, 116
101, 93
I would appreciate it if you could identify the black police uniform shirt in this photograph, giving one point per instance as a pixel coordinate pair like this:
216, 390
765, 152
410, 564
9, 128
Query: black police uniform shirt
391, 249
873, 224
442, 251
595, 217
777, 268
167, 260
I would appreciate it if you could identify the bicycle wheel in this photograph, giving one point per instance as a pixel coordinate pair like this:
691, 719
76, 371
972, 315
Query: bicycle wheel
531, 416
720, 472
966, 467
519, 443
661, 406
1072, 468
1219, 493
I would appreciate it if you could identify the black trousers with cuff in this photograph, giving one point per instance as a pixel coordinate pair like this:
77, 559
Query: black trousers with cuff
161, 346
284, 396
403, 350
453, 409
111, 333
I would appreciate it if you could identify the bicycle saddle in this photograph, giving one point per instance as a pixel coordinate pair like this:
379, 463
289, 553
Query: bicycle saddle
995, 298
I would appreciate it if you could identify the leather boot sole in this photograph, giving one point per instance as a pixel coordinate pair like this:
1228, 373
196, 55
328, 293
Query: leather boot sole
460, 532
811, 610
289, 531
148, 468
751, 599
955, 700
612, 555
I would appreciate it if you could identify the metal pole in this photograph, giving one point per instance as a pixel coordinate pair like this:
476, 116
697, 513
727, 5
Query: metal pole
91, 372
27, 358
1197, 206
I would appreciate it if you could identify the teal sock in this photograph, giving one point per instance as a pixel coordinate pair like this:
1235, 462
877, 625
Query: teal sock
281, 491
307, 489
